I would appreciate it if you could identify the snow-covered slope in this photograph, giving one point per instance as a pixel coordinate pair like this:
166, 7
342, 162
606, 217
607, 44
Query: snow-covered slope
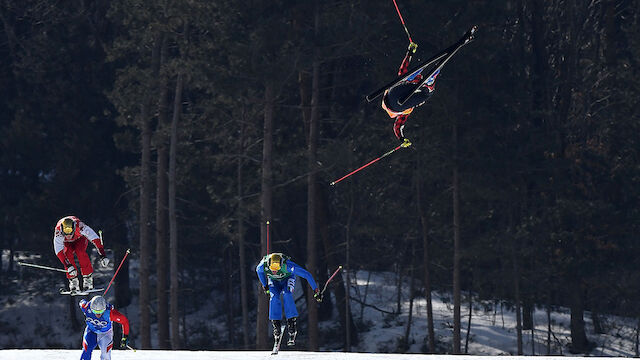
245, 355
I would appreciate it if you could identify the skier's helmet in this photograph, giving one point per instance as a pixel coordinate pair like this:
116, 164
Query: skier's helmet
275, 262
98, 305
68, 226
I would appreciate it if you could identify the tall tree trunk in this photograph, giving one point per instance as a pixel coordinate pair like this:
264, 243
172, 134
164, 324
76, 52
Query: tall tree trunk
468, 335
162, 241
266, 207
431, 337
173, 223
579, 342
456, 246
162, 249
145, 206
242, 261
312, 309
407, 331
516, 287
333, 262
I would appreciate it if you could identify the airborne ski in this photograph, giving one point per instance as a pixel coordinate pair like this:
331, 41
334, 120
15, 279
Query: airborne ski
442, 57
278, 340
79, 293
466, 38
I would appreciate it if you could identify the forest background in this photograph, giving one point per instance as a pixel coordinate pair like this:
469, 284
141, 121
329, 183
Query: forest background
179, 128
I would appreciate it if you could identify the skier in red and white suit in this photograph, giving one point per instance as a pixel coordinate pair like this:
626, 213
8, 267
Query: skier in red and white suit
71, 236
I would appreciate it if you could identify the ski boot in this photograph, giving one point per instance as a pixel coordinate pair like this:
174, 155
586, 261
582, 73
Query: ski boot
277, 331
469, 35
87, 282
74, 285
431, 81
292, 330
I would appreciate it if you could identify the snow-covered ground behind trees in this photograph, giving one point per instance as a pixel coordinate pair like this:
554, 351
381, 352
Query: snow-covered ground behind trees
34, 316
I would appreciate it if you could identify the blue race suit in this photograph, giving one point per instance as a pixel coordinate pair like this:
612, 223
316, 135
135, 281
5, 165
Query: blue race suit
284, 287
99, 330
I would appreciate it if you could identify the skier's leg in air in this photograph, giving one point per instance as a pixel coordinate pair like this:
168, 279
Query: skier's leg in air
275, 306
290, 310
80, 249
74, 284
89, 342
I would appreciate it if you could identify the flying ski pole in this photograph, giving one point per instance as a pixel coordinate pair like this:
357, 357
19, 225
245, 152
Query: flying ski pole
369, 163
116, 273
330, 278
402, 21
41, 267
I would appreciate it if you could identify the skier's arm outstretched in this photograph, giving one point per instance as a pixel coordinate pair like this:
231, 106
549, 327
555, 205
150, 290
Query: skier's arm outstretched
303, 273
95, 240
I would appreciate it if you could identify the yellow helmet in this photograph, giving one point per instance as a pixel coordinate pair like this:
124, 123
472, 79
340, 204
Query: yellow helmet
275, 262
68, 226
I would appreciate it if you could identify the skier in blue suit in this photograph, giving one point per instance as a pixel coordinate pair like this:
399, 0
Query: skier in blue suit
277, 273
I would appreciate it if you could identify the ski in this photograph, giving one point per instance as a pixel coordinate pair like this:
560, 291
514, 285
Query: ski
79, 293
448, 52
402, 78
467, 38
278, 340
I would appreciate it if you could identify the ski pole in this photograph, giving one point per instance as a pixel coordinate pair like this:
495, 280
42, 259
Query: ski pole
130, 348
101, 241
365, 165
116, 273
330, 278
402, 21
41, 267
268, 248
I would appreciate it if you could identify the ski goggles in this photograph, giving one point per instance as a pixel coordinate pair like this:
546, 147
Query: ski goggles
274, 266
97, 312
67, 230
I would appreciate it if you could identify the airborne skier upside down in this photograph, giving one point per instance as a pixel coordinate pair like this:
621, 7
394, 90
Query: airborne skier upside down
412, 89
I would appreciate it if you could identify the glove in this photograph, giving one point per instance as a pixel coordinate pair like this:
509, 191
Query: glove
71, 271
265, 289
124, 342
405, 143
317, 295
412, 48
104, 260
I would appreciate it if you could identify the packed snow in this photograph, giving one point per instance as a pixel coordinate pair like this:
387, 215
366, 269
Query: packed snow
246, 355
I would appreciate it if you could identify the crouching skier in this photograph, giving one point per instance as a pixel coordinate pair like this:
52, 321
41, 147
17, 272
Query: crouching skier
277, 273
99, 315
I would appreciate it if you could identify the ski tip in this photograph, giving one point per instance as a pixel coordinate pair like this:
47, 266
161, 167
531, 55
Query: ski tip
332, 183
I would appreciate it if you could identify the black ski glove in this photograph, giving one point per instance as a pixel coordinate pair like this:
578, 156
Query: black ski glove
265, 289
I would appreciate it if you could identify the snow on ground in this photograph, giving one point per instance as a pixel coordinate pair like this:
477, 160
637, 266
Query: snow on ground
33, 315
246, 355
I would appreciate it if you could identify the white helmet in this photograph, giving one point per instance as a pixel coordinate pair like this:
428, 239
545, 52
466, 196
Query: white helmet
98, 304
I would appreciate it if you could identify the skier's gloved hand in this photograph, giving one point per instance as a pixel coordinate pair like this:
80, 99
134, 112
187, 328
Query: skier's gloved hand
265, 289
412, 48
104, 260
405, 143
71, 271
317, 295
124, 342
